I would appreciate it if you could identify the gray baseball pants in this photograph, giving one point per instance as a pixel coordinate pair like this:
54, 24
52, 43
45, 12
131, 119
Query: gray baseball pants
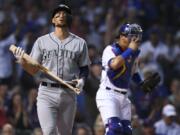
56, 109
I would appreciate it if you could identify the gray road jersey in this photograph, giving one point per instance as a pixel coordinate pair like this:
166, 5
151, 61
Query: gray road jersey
63, 58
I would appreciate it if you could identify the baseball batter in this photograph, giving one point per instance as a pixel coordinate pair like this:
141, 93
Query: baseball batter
117, 60
66, 55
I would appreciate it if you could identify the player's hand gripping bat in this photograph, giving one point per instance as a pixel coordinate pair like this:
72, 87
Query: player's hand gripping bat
32, 67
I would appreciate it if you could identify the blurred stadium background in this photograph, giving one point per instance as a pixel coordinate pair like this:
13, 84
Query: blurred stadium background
22, 21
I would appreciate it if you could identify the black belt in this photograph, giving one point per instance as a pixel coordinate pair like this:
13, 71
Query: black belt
122, 92
56, 85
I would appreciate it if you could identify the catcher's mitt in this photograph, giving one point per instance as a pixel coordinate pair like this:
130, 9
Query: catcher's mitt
150, 82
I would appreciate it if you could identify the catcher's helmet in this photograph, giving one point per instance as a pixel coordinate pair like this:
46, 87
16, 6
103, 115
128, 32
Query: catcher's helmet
130, 30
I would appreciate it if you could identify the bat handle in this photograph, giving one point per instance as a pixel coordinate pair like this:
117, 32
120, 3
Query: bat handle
77, 91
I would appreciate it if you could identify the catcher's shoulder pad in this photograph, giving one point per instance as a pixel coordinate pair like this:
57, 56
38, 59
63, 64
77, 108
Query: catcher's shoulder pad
150, 82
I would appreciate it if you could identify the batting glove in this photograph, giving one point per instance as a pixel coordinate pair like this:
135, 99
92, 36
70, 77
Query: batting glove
79, 83
19, 54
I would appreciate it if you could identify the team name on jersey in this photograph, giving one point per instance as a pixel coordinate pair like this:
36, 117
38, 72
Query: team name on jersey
48, 54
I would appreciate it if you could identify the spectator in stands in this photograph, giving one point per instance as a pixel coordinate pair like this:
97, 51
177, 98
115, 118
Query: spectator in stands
3, 103
25, 79
83, 129
16, 113
167, 125
37, 131
32, 108
148, 128
6, 60
136, 125
153, 47
90, 88
92, 51
99, 128
174, 98
175, 92
8, 129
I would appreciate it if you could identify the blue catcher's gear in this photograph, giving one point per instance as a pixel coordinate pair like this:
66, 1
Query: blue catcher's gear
127, 129
130, 30
114, 126
120, 77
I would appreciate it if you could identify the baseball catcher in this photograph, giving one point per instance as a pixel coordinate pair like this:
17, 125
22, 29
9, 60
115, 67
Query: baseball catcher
117, 62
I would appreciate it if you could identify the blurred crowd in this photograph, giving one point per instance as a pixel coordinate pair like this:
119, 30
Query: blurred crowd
97, 21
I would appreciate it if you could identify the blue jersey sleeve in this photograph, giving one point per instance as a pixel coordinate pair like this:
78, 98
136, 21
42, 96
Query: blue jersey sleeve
136, 78
121, 76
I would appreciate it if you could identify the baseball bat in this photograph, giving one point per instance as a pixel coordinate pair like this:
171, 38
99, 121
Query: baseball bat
27, 58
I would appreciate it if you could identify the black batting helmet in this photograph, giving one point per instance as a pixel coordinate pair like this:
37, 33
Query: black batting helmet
67, 9
61, 7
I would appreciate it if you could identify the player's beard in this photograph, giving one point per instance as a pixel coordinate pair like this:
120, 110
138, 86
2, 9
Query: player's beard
61, 25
